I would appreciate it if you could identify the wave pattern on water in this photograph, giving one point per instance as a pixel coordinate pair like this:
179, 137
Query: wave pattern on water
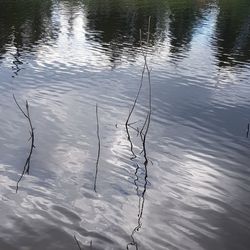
66, 56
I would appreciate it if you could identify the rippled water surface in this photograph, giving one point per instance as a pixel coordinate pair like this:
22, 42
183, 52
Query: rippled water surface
65, 57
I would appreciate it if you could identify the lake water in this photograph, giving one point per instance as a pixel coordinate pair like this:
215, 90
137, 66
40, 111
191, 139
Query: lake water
65, 57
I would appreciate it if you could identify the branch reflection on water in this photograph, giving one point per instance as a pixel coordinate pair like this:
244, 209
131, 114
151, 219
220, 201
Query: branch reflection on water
17, 62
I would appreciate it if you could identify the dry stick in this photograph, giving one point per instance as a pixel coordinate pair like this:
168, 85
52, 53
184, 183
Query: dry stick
131, 111
77, 242
143, 138
99, 146
147, 122
133, 107
140, 87
141, 132
137, 96
148, 118
26, 167
139, 90
149, 112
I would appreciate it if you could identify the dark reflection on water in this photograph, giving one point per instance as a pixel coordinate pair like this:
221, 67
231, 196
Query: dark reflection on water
116, 24
233, 33
24, 24
66, 56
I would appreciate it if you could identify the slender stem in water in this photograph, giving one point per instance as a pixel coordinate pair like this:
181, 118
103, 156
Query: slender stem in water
99, 147
26, 167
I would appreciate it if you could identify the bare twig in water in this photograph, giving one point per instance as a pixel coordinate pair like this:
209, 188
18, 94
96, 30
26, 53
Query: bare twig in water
131, 111
99, 147
142, 196
248, 128
137, 96
145, 67
26, 167
77, 242
143, 136
133, 107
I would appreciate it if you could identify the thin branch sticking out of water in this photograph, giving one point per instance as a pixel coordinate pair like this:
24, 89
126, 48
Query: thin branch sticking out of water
99, 147
145, 67
127, 124
137, 96
248, 128
143, 138
143, 135
26, 114
77, 242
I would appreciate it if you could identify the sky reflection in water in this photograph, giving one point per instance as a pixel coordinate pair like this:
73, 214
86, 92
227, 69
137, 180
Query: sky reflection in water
66, 56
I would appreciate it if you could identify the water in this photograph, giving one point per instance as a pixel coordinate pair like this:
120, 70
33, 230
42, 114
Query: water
65, 57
